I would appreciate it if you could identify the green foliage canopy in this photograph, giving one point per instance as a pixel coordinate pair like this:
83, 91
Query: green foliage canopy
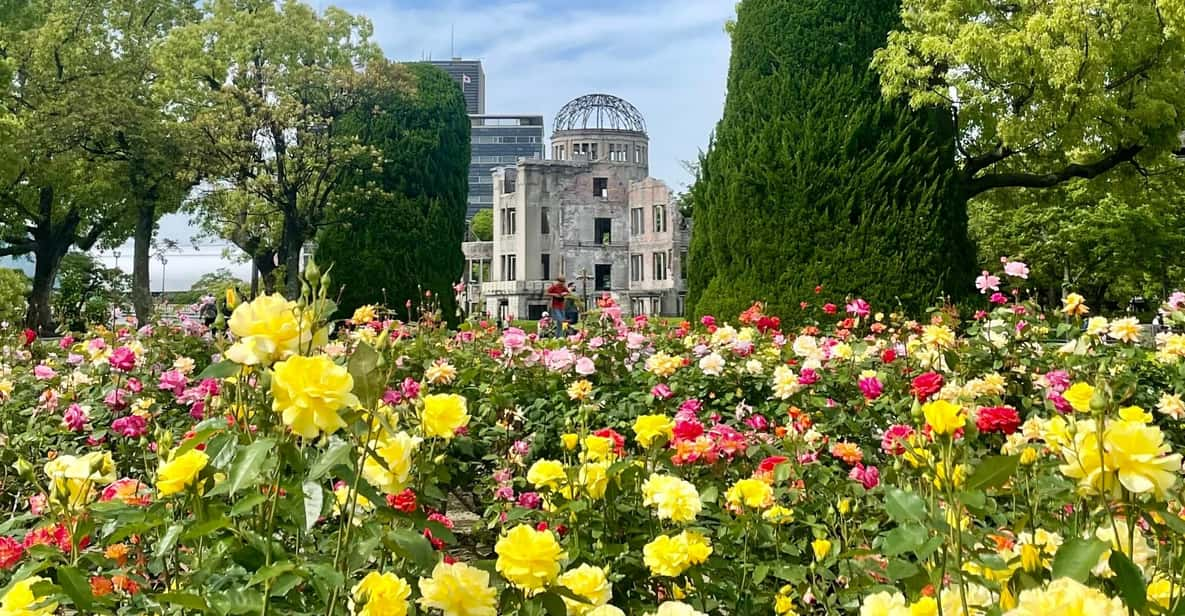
406, 218
813, 178
1044, 91
265, 83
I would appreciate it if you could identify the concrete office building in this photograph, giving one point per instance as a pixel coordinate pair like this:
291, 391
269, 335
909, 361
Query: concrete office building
472, 79
496, 140
591, 214
499, 141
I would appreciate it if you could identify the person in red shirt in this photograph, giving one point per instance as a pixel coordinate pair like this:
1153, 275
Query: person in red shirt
557, 293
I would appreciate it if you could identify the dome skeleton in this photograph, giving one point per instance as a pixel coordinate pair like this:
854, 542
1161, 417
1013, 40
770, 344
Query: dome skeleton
599, 112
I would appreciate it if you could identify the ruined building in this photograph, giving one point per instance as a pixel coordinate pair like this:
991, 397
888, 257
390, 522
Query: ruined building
591, 214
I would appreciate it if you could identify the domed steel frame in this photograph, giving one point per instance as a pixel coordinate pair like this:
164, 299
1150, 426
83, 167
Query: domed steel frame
600, 112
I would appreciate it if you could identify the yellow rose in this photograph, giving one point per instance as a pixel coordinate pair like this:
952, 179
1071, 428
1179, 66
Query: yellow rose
778, 515
1066, 597
1138, 453
821, 547
648, 428
529, 558
269, 329
73, 480
364, 314
443, 415
752, 493
381, 594
670, 556
944, 417
177, 474
673, 498
547, 473
20, 599
599, 448
1079, 396
884, 604
589, 583
308, 392
1075, 305
580, 390
393, 473
594, 476
440, 373
570, 441
459, 590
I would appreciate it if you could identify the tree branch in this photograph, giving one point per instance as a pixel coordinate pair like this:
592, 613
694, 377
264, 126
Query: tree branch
985, 183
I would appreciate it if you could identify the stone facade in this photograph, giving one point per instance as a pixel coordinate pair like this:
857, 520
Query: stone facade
591, 214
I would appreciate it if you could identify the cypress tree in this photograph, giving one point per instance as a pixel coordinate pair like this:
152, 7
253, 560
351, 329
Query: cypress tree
813, 178
403, 220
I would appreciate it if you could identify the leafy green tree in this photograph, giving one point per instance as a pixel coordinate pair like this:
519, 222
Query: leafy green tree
1045, 91
58, 188
14, 288
88, 293
813, 178
1105, 242
406, 219
246, 221
482, 225
266, 84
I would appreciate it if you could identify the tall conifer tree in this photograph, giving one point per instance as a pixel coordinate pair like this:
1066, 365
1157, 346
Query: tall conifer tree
813, 178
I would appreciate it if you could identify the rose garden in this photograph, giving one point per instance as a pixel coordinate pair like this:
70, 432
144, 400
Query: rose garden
862, 408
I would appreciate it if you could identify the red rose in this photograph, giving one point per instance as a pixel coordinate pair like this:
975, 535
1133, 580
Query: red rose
926, 385
1002, 419
405, 501
769, 464
29, 336
889, 355
613, 435
11, 551
829, 308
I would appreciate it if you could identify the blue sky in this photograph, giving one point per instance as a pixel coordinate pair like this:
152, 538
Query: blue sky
667, 57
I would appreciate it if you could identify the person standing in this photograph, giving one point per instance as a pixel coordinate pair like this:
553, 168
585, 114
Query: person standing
557, 293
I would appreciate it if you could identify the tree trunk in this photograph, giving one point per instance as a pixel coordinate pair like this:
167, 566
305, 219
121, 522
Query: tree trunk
291, 243
142, 243
47, 259
266, 266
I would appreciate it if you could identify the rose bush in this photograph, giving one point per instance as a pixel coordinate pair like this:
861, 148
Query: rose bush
1011, 461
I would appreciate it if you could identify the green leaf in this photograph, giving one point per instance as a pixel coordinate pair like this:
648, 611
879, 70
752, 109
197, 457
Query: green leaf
1130, 581
1077, 557
247, 504
992, 472
266, 573
901, 569
314, 500
760, 573
904, 538
709, 494
184, 599
338, 452
553, 603
362, 367
168, 540
905, 506
205, 528
220, 370
413, 546
244, 471
201, 433
77, 587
